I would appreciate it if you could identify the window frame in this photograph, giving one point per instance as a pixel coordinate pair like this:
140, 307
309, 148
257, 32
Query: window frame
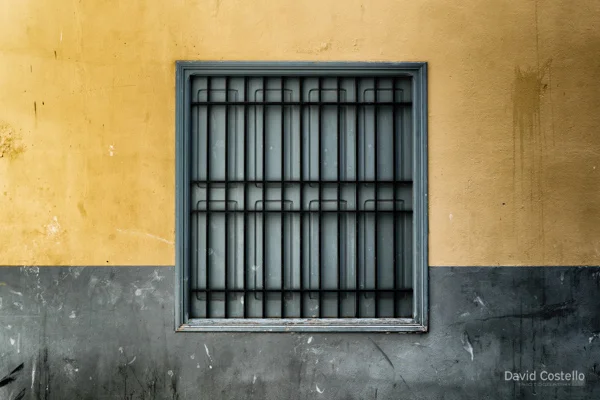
185, 70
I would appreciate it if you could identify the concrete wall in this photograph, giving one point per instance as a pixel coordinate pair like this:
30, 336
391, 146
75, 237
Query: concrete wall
107, 333
87, 180
87, 117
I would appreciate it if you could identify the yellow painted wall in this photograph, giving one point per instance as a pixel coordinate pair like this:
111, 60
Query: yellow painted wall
87, 117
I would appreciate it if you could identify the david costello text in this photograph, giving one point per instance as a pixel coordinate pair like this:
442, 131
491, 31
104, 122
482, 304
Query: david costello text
574, 377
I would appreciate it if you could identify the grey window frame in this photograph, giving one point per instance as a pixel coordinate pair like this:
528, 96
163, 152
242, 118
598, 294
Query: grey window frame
185, 70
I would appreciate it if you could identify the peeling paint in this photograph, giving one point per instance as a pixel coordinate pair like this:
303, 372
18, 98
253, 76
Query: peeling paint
53, 228
467, 344
138, 233
208, 354
33, 367
479, 301
10, 142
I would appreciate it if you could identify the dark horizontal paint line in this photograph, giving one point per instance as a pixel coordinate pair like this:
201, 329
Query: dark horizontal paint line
301, 182
461, 267
101, 266
367, 291
456, 268
313, 212
301, 103
547, 312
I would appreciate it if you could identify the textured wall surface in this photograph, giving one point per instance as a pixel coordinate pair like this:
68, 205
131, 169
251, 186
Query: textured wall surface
87, 117
107, 333
87, 170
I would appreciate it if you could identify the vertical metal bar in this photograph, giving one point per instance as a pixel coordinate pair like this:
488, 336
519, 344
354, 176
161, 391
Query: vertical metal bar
394, 158
320, 180
245, 189
191, 265
207, 236
226, 241
376, 214
264, 203
356, 201
339, 202
282, 200
301, 215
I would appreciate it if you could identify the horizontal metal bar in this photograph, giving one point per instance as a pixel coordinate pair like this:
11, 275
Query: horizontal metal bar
279, 291
301, 182
285, 211
303, 325
302, 103
299, 69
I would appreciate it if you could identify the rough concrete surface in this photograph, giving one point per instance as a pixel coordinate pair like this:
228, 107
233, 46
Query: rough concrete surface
108, 333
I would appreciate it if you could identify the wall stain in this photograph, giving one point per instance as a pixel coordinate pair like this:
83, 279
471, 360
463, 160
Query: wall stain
46, 371
173, 385
529, 89
217, 8
547, 312
81, 209
321, 48
383, 353
12, 376
529, 145
20, 395
10, 142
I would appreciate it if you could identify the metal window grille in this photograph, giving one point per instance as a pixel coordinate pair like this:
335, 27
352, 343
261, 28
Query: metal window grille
301, 197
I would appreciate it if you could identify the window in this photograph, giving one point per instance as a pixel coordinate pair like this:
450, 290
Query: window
301, 197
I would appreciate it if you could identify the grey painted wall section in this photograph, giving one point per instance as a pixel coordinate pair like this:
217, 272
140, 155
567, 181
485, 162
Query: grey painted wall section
108, 333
